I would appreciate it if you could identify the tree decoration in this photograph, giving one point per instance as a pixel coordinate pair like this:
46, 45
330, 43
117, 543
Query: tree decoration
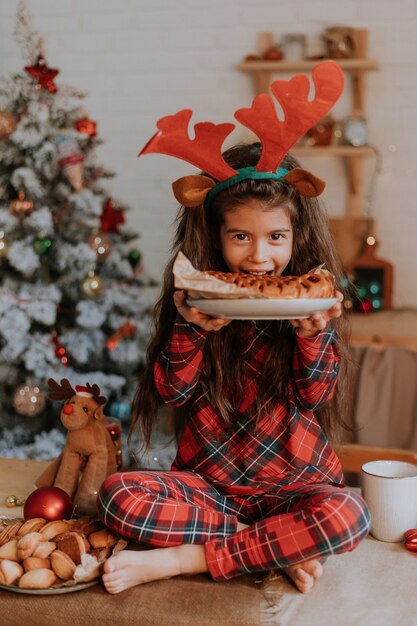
28, 400
21, 207
86, 126
70, 159
51, 503
124, 332
42, 245
101, 244
8, 123
60, 350
120, 409
93, 285
43, 74
135, 258
4, 245
12, 500
111, 217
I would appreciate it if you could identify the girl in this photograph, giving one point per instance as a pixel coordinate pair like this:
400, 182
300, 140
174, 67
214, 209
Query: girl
255, 484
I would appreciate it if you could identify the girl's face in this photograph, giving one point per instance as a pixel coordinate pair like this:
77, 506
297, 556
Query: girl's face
256, 240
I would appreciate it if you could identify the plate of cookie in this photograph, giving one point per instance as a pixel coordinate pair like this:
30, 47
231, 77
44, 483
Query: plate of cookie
44, 558
263, 309
52, 590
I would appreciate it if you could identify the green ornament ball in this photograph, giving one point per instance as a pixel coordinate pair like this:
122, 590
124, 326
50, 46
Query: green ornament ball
42, 245
134, 258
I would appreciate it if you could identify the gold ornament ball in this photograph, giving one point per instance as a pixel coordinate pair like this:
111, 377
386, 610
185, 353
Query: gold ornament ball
101, 244
92, 286
8, 123
28, 400
11, 501
4, 245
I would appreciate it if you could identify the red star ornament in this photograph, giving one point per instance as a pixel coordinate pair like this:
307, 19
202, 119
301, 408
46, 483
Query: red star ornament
86, 126
44, 74
111, 217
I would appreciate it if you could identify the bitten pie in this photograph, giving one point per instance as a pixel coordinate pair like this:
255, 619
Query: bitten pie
210, 284
316, 284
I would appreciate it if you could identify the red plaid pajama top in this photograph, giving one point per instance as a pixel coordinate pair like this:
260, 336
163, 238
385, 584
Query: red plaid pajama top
284, 449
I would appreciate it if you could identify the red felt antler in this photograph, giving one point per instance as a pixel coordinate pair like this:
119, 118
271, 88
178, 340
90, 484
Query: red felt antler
300, 114
204, 151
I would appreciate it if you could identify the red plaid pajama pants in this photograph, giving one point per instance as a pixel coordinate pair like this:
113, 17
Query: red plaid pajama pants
163, 509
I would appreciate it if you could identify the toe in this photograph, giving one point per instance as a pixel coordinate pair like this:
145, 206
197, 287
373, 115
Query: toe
108, 566
303, 580
317, 570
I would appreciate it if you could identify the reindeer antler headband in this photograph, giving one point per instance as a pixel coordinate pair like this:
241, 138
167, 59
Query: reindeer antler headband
277, 137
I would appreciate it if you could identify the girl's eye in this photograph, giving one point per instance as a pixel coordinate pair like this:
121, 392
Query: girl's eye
277, 236
241, 237
85, 409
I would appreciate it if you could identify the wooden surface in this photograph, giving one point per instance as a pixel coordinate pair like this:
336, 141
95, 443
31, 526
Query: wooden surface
352, 455
17, 477
396, 327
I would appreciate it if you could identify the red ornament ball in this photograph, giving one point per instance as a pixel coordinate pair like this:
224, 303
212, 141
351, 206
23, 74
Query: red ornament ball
51, 503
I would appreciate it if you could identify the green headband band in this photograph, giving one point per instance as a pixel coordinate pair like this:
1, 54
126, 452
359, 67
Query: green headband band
244, 173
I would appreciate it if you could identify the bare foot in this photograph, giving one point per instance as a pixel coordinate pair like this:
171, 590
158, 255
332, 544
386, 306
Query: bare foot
305, 574
131, 567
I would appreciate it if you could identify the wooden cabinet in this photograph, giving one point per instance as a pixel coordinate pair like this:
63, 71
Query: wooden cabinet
355, 223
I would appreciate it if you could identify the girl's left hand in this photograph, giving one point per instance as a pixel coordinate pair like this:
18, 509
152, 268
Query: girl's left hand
317, 322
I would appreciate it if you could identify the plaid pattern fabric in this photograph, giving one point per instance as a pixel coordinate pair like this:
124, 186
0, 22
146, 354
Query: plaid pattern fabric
285, 449
274, 474
163, 509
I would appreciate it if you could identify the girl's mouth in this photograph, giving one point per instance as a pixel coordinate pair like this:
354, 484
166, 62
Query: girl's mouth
258, 273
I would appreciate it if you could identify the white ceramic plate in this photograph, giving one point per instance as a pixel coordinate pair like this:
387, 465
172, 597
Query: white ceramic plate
262, 308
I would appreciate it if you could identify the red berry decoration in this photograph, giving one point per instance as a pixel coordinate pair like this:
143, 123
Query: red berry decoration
51, 503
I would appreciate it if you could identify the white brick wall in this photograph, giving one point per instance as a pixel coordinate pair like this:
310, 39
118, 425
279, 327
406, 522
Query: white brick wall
141, 59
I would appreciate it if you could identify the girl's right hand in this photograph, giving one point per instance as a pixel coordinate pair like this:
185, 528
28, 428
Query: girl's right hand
194, 316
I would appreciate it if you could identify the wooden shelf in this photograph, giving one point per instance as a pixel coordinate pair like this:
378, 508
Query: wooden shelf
352, 65
348, 230
342, 151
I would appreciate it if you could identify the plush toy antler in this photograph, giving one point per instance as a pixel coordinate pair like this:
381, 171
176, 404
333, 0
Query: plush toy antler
62, 391
95, 392
277, 137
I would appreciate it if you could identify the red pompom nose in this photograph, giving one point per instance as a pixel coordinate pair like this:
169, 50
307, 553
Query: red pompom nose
68, 409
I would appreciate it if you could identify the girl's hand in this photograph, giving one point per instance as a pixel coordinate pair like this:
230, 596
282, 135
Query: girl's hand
317, 322
194, 316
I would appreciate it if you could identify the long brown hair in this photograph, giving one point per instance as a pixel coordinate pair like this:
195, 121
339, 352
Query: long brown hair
197, 236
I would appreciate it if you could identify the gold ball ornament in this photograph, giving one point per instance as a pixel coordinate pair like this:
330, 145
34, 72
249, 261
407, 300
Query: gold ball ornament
93, 285
101, 244
4, 245
21, 207
8, 123
11, 501
28, 400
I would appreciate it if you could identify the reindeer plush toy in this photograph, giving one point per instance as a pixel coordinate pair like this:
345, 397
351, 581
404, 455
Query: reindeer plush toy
88, 441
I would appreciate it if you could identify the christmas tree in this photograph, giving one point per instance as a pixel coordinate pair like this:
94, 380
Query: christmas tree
72, 301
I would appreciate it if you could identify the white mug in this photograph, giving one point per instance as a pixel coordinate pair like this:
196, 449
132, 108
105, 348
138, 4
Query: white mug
389, 488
